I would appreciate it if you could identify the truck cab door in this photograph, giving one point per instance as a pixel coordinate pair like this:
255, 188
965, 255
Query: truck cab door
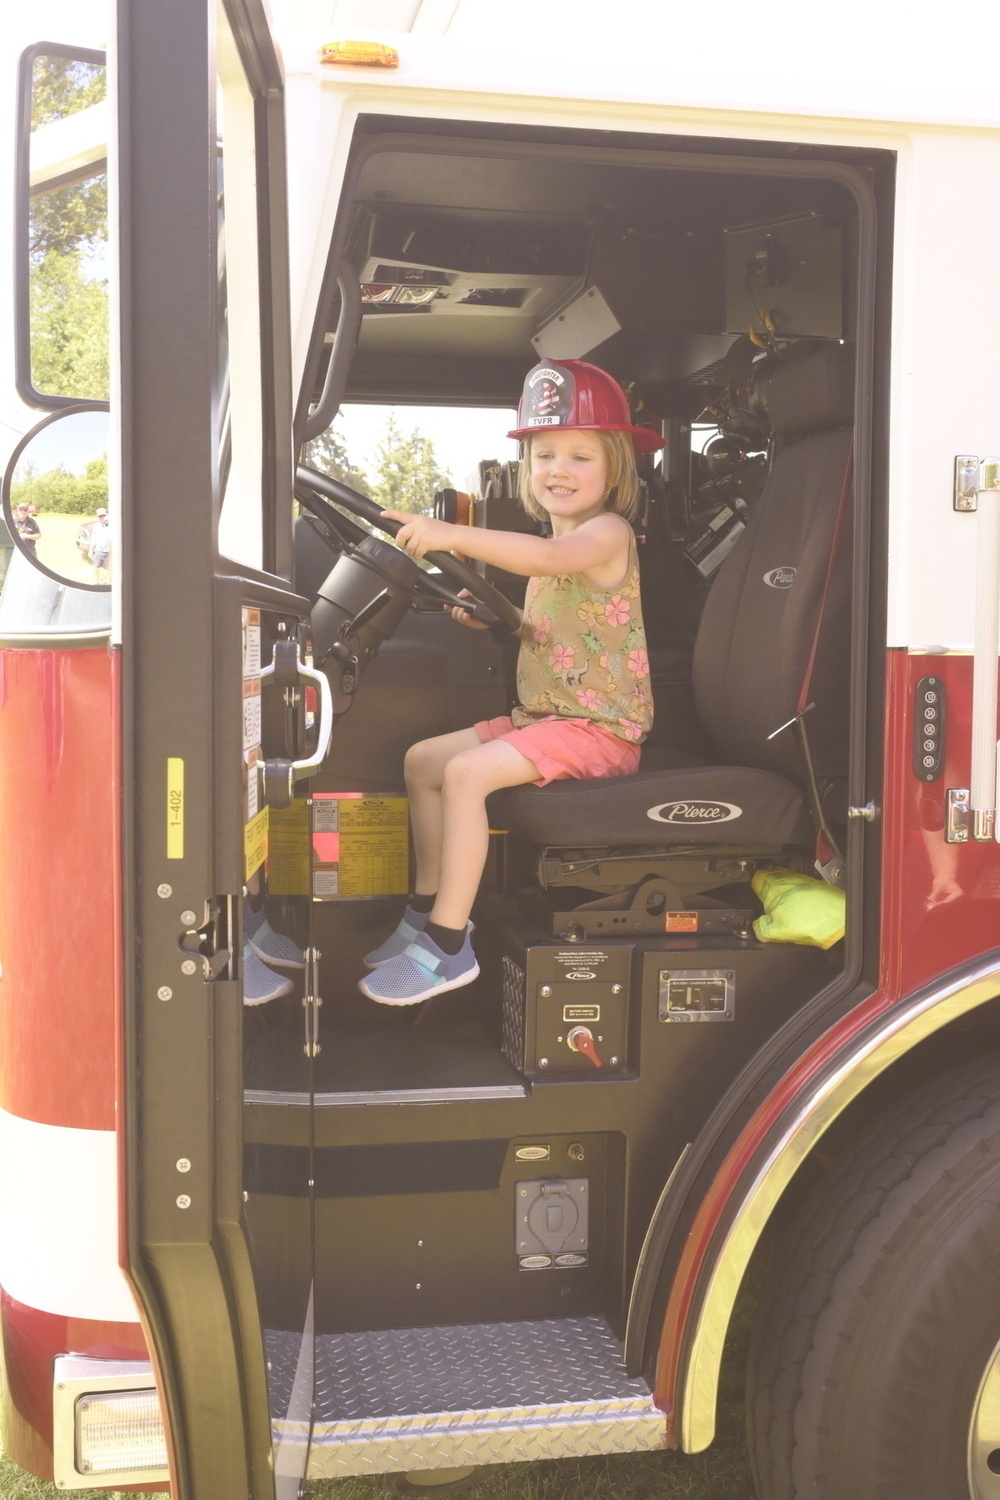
218, 1250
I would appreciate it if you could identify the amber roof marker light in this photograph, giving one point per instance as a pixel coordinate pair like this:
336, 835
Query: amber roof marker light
359, 55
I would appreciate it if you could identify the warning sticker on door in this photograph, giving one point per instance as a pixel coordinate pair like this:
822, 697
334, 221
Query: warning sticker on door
251, 642
288, 862
255, 843
251, 713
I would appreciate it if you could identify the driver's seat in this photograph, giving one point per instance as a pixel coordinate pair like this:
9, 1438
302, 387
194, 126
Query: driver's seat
777, 615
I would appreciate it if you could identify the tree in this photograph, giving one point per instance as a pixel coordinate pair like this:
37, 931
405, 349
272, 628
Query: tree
62, 86
68, 234
408, 474
328, 453
69, 329
74, 217
59, 490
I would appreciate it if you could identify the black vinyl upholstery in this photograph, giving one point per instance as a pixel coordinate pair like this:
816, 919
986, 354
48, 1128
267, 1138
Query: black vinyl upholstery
754, 642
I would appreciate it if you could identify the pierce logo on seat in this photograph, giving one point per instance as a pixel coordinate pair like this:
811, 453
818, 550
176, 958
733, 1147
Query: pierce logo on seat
695, 812
780, 578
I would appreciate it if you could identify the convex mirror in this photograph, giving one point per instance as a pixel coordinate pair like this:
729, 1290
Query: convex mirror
55, 499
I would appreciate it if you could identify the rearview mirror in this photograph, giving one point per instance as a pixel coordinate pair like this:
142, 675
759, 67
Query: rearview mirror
62, 227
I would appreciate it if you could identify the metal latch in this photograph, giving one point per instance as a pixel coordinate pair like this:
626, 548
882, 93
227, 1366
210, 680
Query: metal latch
209, 941
956, 828
966, 482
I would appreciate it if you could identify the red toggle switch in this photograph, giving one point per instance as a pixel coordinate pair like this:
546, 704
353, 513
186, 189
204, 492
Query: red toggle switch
581, 1039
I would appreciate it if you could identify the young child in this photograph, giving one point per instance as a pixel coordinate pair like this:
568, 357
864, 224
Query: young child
582, 674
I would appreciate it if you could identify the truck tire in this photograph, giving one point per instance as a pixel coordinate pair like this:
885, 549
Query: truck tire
873, 1369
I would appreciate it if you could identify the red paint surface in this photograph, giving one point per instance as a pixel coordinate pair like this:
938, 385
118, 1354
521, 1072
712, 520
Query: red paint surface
938, 910
939, 901
58, 794
31, 1341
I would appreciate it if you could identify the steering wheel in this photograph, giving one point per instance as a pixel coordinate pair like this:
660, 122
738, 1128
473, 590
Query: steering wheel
487, 604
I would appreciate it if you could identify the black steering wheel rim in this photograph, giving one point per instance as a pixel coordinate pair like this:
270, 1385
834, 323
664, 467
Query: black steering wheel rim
507, 615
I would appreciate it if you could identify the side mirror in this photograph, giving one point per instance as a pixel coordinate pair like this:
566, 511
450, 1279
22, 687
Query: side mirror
61, 227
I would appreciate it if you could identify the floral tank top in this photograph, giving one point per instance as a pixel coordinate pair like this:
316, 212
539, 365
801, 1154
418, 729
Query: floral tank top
583, 654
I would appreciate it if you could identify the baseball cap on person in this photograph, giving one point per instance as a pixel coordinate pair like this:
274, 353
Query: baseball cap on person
101, 511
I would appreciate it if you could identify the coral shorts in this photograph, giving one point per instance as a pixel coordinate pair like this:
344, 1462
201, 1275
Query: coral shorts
563, 748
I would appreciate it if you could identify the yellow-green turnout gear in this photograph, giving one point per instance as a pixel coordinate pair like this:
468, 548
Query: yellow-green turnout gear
798, 909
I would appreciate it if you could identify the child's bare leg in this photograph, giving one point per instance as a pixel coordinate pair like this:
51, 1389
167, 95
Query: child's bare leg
468, 778
423, 770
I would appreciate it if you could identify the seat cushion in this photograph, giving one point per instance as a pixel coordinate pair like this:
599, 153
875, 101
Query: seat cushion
659, 808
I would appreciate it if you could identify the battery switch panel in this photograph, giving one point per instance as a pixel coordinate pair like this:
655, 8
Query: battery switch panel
551, 1223
697, 995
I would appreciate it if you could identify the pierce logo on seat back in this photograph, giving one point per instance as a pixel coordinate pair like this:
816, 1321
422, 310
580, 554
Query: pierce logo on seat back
780, 578
695, 811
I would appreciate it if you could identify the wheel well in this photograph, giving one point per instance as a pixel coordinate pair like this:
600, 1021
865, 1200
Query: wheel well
972, 1035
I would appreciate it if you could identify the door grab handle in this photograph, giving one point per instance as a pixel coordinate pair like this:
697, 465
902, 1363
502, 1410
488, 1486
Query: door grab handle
280, 776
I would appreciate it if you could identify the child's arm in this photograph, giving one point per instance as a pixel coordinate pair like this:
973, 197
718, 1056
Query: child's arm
595, 546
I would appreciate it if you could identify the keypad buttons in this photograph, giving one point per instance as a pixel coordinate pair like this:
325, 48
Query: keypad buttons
928, 728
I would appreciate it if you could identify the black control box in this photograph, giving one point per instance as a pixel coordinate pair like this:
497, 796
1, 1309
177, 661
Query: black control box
566, 1009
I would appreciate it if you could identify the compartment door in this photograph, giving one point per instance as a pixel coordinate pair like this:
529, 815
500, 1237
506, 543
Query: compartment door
216, 1220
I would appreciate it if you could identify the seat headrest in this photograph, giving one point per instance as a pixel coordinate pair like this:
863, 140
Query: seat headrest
814, 393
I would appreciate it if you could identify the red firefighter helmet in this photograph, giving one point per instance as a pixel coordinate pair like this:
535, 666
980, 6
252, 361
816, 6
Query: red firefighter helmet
580, 397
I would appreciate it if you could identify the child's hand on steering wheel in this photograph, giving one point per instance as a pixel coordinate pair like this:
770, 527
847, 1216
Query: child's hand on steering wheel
419, 535
463, 617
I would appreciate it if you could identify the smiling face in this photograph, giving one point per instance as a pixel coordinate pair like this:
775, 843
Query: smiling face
569, 476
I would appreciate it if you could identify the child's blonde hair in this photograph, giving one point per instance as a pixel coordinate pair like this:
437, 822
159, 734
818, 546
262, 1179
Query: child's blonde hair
623, 480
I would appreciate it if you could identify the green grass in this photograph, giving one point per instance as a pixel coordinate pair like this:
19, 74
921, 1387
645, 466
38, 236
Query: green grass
15, 1484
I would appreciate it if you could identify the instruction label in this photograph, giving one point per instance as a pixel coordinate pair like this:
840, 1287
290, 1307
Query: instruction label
251, 643
288, 861
255, 843
360, 846
251, 713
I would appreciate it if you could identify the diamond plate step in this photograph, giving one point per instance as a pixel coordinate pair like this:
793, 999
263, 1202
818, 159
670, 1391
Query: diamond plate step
427, 1398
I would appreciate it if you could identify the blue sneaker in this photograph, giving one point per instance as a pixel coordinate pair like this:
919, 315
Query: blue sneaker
410, 923
276, 948
420, 971
260, 983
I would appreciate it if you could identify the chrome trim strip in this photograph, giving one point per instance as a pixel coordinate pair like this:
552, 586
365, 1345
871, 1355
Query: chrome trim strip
286, 1098
908, 1025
